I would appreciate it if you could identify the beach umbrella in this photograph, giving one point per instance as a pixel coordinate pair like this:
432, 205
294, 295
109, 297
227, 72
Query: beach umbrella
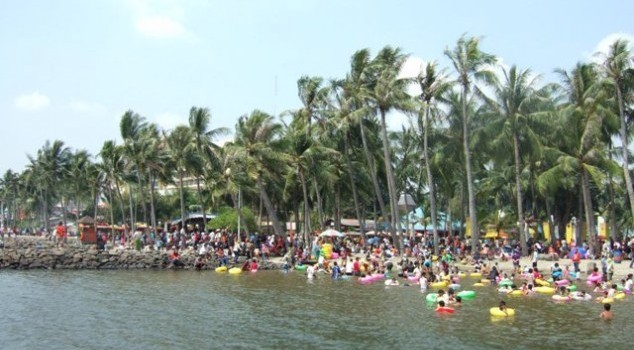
353, 233
331, 233
370, 233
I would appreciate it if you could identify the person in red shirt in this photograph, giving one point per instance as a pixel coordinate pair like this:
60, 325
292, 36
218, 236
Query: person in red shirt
253, 266
356, 267
576, 259
60, 232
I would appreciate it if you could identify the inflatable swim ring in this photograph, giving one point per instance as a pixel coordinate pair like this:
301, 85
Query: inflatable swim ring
495, 311
579, 297
541, 282
571, 288
560, 298
504, 290
515, 292
545, 290
391, 283
619, 295
607, 300
301, 267
505, 282
466, 294
445, 310
485, 281
563, 282
454, 286
221, 269
438, 284
431, 297
476, 275
235, 270
478, 284
462, 274
594, 278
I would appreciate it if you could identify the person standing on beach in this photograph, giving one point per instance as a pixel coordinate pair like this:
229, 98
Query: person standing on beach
60, 233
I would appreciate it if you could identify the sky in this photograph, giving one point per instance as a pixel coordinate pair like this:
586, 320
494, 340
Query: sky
69, 69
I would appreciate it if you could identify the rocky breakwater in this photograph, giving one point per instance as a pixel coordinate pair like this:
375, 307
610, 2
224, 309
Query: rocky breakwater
35, 253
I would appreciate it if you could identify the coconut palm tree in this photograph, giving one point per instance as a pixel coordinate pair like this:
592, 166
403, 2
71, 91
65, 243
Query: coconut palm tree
259, 147
183, 156
388, 92
202, 136
470, 64
617, 67
514, 101
355, 88
580, 153
313, 94
113, 166
433, 86
47, 170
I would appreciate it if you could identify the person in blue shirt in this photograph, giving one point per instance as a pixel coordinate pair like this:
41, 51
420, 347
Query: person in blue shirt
336, 271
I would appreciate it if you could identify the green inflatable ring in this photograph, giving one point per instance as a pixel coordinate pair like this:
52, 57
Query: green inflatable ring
301, 267
466, 294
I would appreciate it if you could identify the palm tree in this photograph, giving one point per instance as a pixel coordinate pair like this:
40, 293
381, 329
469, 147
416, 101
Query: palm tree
113, 166
131, 127
258, 146
202, 136
389, 92
183, 156
48, 169
433, 86
470, 64
512, 105
355, 89
581, 152
617, 66
313, 95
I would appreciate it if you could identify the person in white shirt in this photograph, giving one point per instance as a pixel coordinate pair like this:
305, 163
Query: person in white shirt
310, 272
349, 267
423, 282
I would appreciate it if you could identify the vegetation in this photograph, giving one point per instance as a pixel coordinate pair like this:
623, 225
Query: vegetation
482, 147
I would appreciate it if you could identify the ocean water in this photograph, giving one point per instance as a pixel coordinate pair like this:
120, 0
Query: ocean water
274, 310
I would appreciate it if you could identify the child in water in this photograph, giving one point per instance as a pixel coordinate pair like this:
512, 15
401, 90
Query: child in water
606, 314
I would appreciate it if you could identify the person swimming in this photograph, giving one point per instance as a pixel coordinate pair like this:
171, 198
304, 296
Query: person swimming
606, 314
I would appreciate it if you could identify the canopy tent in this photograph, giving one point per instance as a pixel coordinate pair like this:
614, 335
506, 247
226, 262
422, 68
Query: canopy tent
331, 233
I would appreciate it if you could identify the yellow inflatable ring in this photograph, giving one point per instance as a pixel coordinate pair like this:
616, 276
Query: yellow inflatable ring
221, 269
476, 275
495, 311
515, 292
541, 282
438, 284
545, 290
235, 270
607, 300
619, 295
478, 284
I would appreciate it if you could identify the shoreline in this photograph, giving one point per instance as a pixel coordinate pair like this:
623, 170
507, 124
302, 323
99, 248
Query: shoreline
33, 253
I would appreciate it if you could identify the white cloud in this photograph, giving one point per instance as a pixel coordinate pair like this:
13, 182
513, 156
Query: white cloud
86, 107
159, 19
160, 27
32, 102
411, 68
603, 46
169, 121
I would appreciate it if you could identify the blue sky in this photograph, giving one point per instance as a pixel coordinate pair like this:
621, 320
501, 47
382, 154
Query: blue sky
70, 68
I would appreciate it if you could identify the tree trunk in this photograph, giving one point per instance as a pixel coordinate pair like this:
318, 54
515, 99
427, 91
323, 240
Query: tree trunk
201, 204
353, 185
142, 196
270, 211
430, 181
518, 190
473, 218
624, 151
132, 218
375, 180
182, 198
338, 208
152, 209
45, 204
121, 205
587, 200
390, 181
307, 228
111, 212
320, 210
